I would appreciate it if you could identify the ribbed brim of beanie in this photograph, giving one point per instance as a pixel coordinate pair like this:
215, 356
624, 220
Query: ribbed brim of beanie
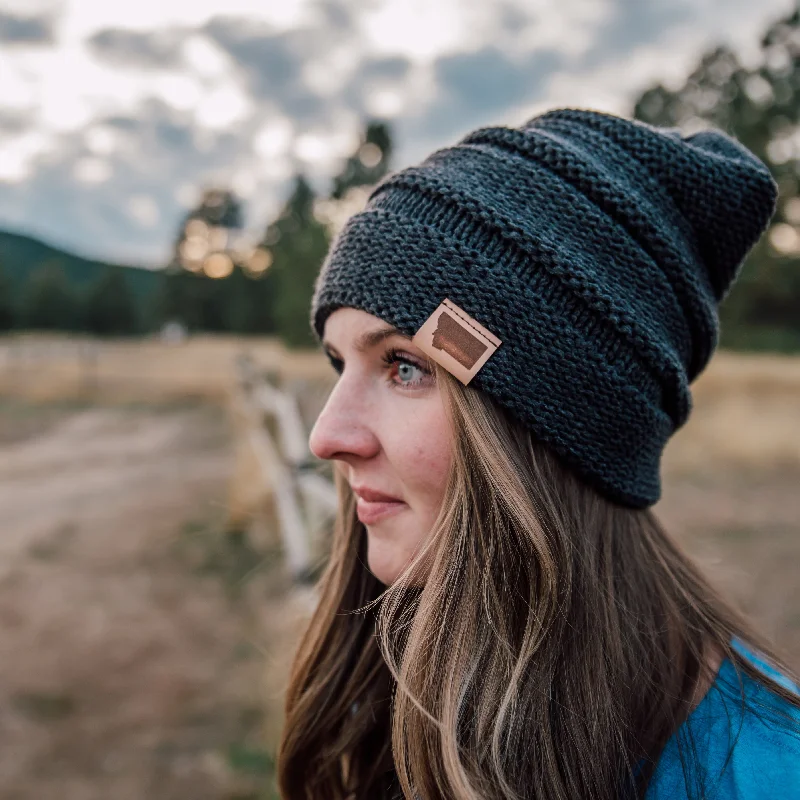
596, 248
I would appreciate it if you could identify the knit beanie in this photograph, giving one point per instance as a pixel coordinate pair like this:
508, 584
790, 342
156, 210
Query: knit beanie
582, 256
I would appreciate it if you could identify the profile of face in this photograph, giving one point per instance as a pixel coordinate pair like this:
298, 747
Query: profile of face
385, 427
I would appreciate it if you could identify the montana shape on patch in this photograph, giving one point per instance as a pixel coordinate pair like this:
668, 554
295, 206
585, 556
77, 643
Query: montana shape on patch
452, 338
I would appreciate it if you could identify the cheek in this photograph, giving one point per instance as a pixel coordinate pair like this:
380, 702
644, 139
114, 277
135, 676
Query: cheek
418, 451
421, 454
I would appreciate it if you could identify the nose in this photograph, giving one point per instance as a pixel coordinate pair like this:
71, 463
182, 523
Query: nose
343, 429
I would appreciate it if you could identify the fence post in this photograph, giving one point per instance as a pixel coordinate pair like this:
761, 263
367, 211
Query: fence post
274, 472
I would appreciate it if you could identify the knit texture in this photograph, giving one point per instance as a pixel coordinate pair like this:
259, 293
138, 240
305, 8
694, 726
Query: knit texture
595, 247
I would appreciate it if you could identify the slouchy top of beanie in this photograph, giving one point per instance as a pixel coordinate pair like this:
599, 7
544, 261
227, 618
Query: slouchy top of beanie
595, 248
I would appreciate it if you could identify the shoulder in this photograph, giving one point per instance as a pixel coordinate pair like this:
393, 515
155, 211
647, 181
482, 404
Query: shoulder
743, 740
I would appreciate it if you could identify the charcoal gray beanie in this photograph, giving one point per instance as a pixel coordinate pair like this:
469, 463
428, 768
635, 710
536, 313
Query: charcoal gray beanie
595, 248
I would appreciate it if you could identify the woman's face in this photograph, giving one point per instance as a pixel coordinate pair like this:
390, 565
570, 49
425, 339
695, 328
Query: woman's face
385, 427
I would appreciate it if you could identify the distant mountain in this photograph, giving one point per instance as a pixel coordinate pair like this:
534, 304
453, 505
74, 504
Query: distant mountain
20, 255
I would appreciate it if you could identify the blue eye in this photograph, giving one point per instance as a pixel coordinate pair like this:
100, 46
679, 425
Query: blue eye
405, 368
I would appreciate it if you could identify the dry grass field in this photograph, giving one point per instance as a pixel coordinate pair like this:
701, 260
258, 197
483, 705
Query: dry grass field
138, 634
46, 368
145, 645
732, 486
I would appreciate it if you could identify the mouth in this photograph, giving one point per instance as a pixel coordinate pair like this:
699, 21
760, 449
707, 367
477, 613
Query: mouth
371, 512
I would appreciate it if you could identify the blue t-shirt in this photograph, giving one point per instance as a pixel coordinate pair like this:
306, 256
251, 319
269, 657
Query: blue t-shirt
765, 761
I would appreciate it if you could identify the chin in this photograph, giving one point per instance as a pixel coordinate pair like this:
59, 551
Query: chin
386, 561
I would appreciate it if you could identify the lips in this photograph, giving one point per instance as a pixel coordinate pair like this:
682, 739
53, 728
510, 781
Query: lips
370, 513
373, 505
374, 496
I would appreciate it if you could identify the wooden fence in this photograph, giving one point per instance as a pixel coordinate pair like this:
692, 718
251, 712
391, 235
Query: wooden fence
272, 437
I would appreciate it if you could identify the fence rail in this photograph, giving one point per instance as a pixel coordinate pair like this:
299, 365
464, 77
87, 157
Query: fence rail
269, 420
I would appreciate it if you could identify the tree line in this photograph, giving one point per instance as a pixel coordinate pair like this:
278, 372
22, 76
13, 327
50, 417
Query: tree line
760, 106
50, 301
211, 284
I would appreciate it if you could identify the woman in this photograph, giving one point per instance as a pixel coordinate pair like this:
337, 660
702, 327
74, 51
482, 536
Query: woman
516, 322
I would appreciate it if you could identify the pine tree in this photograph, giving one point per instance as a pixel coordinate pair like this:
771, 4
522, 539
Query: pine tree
178, 298
50, 302
109, 307
206, 229
297, 242
760, 106
361, 171
7, 306
369, 163
192, 291
248, 307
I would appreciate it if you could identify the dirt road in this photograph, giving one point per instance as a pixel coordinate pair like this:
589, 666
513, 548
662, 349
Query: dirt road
130, 669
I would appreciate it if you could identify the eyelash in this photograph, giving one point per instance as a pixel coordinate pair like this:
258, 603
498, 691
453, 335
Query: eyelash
389, 359
393, 356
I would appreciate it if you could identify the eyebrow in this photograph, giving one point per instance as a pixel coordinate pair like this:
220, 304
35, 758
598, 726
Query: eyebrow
370, 339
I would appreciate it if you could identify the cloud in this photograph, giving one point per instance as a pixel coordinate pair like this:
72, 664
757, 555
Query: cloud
512, 18
13, 121
94, 202
200, 98
481, 87
337, 15
634, 24
272, 64
374, 74
389, 67
159, 49
25, 30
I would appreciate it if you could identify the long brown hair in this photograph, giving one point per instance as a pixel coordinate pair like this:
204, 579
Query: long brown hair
552, 648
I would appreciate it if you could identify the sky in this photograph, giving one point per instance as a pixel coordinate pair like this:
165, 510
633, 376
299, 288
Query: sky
115, 116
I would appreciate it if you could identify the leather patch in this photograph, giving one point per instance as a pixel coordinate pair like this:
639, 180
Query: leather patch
457, 341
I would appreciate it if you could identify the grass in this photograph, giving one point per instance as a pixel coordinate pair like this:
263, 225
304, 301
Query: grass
755, 339
44, 706
55, 546
50, 368
208, 550
249, 761
739, 533
746, 414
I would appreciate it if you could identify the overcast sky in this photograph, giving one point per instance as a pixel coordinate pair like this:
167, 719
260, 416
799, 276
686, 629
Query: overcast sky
113, 115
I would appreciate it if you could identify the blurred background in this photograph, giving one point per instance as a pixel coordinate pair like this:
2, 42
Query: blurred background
171, 175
